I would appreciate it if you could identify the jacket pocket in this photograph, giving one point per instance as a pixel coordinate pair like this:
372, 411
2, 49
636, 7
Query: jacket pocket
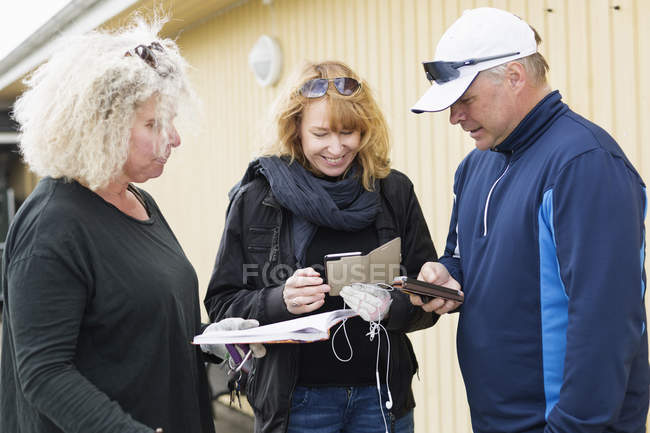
260, 241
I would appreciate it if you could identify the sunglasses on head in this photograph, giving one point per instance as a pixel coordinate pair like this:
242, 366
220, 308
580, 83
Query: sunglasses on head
441, 72
317, 87
146, 53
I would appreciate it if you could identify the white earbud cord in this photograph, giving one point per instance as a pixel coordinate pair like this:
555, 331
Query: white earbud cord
345, 331
375, 329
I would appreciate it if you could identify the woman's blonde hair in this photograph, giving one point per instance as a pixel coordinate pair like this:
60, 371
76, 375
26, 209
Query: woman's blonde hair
356, 112
77, 112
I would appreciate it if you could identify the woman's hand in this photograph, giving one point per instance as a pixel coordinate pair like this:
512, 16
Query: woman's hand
232, 324
304, 291
370, 301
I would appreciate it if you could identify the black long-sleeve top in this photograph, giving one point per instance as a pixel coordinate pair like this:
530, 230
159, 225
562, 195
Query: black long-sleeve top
100, 309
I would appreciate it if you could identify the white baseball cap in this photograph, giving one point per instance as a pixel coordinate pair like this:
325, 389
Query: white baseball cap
480, 39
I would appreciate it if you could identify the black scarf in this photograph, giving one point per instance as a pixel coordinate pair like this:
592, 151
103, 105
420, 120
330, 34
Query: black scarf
342, 205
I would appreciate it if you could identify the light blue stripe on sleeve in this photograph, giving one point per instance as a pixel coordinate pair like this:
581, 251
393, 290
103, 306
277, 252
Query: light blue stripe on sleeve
554, 304
645, 210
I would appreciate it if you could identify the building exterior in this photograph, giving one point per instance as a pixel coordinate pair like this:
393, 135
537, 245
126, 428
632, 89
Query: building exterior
598, 51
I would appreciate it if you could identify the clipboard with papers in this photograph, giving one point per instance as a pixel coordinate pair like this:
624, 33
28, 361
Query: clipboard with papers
304, 329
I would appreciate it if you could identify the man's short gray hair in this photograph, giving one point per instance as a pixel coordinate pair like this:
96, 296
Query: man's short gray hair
535, 65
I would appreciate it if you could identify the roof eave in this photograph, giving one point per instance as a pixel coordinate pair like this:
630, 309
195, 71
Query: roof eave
76, 17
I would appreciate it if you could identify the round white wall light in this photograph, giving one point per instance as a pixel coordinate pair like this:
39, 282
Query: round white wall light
265, 59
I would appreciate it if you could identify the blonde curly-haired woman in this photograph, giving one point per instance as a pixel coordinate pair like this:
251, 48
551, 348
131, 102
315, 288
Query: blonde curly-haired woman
100, 300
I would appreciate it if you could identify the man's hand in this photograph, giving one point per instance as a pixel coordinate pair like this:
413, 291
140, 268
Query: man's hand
436, 273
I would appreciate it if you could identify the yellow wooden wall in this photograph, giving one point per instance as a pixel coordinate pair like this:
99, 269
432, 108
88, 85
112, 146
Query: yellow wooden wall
599, 54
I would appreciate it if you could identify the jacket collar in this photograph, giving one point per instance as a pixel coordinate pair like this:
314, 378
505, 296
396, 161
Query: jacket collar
536, 122
251, 173
269, 199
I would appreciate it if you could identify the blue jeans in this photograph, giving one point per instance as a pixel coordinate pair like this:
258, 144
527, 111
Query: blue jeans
353, 409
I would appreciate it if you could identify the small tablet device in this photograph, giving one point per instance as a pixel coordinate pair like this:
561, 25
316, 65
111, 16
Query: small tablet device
340, 255
426, 291
339, 272
380, 265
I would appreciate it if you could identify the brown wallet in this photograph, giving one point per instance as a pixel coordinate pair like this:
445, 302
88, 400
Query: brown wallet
427, 291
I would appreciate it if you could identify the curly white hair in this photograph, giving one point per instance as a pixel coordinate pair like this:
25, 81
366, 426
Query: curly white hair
76, 115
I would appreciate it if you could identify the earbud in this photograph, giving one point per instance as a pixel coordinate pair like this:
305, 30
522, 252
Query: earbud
389, 403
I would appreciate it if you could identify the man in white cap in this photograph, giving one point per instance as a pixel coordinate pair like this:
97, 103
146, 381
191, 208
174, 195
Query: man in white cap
546, 239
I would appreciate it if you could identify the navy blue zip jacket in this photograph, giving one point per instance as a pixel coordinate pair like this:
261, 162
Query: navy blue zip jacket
547, 240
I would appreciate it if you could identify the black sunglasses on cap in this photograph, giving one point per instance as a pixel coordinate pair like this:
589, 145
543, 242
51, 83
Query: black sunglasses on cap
317, 87
441, 72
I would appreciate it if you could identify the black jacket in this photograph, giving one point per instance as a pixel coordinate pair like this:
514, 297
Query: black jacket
256, 256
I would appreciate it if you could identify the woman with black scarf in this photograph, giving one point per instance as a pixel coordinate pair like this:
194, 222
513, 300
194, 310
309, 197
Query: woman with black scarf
324, 185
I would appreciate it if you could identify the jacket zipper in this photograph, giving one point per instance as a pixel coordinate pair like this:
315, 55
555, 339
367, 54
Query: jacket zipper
487, 201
